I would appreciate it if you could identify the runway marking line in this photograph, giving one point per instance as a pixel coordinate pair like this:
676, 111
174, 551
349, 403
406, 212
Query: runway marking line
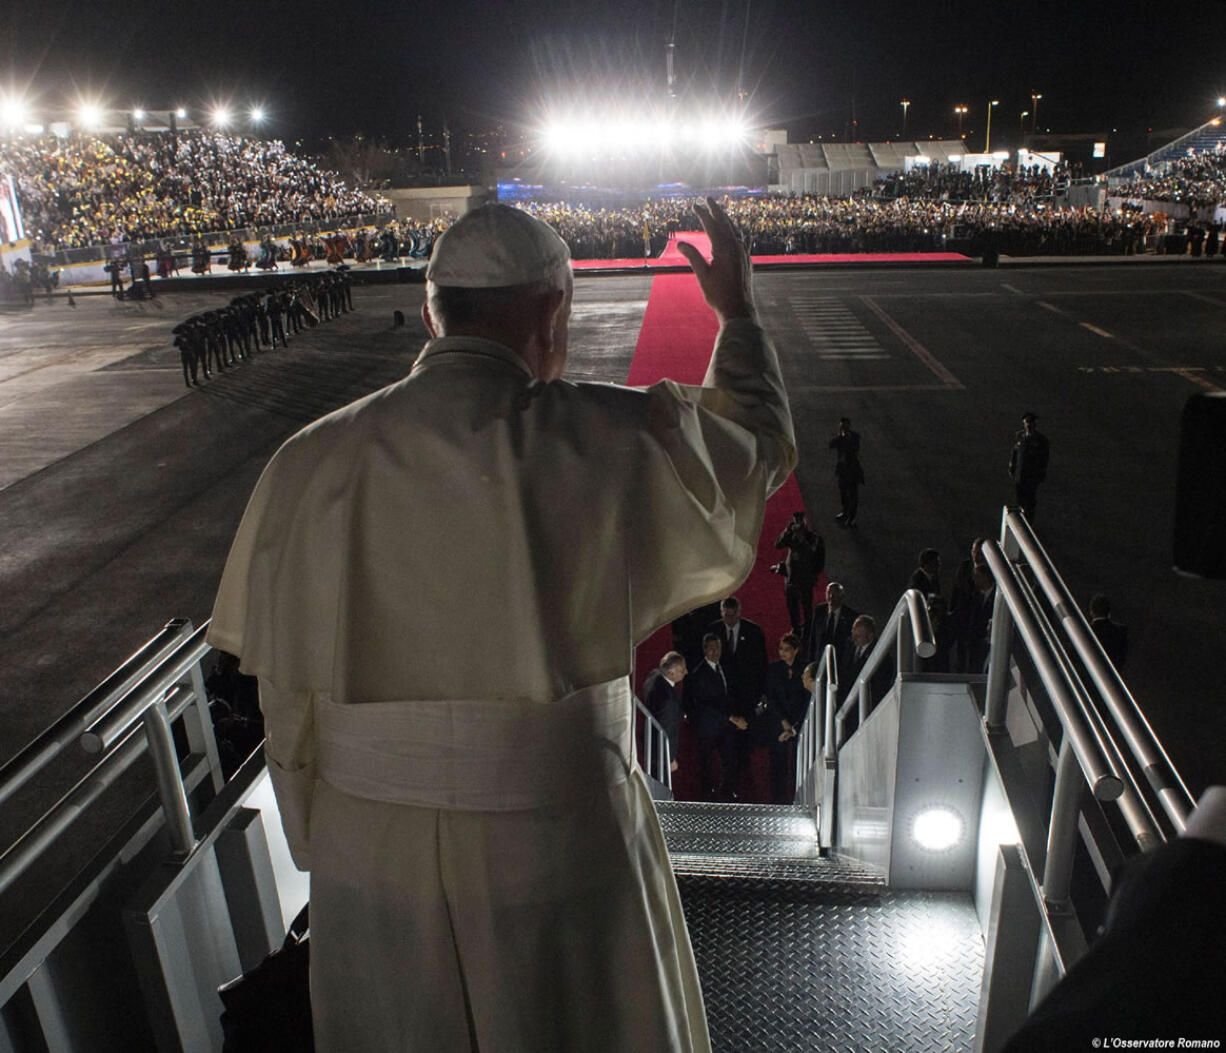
1051, 307
915, 347
1096, 330
1203, 298
1012, 288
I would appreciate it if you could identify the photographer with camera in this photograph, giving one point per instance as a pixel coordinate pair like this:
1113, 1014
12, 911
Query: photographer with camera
804, 563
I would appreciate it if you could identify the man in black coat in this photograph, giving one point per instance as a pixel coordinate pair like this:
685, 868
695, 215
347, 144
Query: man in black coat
743, 656
710, 706
847, 470
662, 697
1028, 463
805, 561
832, 623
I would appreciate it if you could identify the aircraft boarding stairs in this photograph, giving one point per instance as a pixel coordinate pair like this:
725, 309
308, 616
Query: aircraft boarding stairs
947, 857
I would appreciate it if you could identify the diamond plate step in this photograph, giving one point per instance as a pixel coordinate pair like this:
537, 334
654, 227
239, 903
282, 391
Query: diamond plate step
771, 843
791, 967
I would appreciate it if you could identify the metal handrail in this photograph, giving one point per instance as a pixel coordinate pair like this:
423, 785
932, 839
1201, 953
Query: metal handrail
655, 746
816, 727
67, 730
23, 852
1136, 812
922, 644
1143, 744
1087, 745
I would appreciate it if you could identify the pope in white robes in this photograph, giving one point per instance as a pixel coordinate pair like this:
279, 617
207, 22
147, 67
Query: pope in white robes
440, 588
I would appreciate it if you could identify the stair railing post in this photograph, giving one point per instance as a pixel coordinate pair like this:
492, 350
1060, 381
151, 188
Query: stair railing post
170, 782
1000, 642
1062, 830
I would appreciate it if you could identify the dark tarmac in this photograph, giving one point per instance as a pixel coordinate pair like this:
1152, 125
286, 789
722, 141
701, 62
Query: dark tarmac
120, 489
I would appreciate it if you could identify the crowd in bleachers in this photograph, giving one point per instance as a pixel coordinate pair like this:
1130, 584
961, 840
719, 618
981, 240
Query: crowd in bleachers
1198, 181
93, 190
784, 225
1021, 185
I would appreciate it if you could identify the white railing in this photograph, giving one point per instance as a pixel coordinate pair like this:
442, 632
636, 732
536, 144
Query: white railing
657, 754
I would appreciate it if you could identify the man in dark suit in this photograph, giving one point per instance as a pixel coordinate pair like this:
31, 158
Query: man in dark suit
710, 706
848, 471
743, 660
976, 625
743, 657
1028, 463
831, 623
927, 576
856, 652
662, 697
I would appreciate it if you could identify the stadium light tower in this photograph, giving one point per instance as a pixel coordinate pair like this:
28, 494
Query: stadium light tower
904, 103
1035, 96
1021, 125
961, 112
987, 139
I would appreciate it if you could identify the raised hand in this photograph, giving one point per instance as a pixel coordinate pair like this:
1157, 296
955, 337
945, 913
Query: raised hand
726, 281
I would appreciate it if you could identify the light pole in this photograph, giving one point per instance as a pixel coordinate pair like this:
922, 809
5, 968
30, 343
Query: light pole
961, 112
904, 104
1021, 125
987, 138
1035, 96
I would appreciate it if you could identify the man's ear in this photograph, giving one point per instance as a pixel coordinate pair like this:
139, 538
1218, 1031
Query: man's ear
543, 324
427, 320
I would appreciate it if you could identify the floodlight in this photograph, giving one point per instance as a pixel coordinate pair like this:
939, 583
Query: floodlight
89, 115
1221, 101
937, 829
138, 114
257, 115
13, 112
220, 117
180, 113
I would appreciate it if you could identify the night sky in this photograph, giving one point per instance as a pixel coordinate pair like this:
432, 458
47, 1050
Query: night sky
336, 68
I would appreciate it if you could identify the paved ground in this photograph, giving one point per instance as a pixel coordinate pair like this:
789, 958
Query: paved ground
120, 489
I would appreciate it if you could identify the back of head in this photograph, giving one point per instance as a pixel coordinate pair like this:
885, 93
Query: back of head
488, 264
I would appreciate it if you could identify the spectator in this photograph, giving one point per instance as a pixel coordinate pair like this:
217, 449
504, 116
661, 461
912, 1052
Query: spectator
832, 623
662, 697
927, 576
780, 714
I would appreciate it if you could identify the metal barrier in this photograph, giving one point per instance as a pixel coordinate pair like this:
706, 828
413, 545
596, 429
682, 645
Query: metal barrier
155, 686
656, 753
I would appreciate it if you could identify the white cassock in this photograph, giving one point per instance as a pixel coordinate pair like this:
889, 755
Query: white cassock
440, 588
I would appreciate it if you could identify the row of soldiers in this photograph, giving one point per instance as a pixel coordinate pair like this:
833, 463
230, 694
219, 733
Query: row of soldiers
215, 340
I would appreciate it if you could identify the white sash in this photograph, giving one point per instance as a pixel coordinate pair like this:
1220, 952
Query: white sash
490, 755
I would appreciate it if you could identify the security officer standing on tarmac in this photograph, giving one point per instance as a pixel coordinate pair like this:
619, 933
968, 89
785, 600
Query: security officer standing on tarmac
276, 312
1028, 463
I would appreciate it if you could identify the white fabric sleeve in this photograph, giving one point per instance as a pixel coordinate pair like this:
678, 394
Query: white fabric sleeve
289, 748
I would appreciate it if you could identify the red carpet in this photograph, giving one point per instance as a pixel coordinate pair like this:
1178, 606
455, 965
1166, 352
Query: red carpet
675, 341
